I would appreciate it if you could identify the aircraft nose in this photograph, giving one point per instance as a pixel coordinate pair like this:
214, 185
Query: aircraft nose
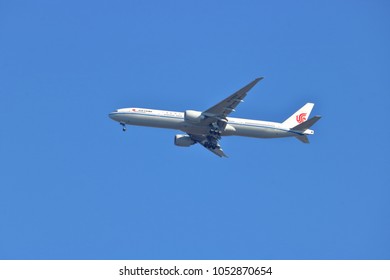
113, 115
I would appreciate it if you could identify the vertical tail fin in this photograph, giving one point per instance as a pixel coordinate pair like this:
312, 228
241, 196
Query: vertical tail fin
299, 116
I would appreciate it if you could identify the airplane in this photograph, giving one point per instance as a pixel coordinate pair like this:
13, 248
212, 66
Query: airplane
207, 127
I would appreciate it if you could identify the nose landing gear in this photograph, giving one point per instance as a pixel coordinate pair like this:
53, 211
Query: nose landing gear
123, 126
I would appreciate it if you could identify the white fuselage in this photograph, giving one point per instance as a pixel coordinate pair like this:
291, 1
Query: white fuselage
176, 120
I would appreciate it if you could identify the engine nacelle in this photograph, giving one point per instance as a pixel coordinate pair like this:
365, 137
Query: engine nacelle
193, 116
183, 140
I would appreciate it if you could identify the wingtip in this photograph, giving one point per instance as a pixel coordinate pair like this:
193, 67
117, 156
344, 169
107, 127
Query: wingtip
255, 81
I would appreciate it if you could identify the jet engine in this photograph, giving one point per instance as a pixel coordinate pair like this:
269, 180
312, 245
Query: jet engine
183, 140
193, 116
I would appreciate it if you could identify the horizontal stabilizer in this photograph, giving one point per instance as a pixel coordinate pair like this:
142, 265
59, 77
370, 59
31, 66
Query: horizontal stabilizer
303, 138
307, 124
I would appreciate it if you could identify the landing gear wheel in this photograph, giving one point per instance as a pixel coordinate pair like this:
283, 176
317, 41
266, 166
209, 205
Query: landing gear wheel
215, 132
209, 145
123, 127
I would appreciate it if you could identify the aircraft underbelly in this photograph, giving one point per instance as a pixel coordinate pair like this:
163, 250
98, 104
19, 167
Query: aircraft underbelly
260, 132
154, 121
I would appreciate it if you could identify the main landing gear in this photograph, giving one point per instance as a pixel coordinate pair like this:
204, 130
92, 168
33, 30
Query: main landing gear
213, 137
211, 145
215, 132
123, 126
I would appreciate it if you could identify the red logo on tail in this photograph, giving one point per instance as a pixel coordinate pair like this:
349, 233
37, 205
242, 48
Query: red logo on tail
301, 117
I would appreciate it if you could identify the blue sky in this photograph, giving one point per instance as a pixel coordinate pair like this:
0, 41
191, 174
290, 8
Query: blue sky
74, 186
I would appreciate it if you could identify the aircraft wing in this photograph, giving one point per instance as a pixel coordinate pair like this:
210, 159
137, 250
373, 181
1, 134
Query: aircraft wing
215, 119
218, 151
205, 142
226, 106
